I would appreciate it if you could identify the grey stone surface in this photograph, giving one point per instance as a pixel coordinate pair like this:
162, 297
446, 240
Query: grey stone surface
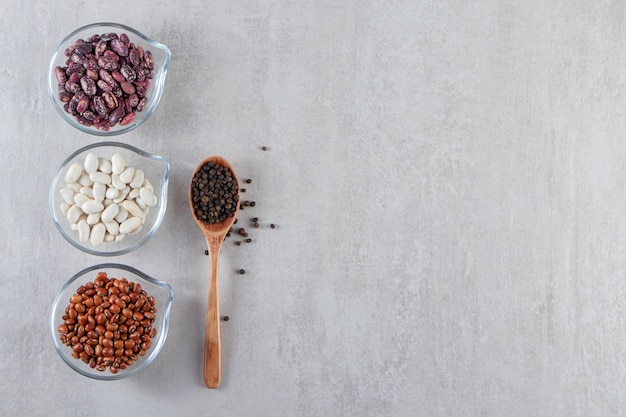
447, 183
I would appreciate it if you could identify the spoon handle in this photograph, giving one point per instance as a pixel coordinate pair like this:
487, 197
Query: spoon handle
212, 344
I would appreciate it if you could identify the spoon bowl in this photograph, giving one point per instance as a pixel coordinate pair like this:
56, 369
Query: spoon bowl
214, 235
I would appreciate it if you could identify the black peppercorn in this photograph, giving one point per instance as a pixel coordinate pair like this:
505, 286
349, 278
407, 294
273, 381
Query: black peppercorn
242, 271
214, 193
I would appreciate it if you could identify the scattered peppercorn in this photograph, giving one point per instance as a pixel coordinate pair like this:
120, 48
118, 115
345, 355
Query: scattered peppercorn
264, 148
256, 225
206, 252
226, 318
248, 240
243, 190
272, 225
242, 271
248, 181
238, 243
252, 203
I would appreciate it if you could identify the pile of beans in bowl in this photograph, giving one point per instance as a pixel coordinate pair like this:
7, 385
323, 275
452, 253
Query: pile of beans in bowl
105, 80
108, 323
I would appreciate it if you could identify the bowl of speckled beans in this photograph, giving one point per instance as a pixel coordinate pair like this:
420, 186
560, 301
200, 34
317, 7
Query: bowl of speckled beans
107, 79
110, 321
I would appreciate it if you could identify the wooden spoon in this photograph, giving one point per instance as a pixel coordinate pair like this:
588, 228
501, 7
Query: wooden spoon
214, 235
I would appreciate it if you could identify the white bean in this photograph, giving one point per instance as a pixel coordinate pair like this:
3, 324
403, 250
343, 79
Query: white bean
117, 163
93, 218
147, 185
117, 182
111, 193
133, 208
92, 206
113, 228
121, 196
73, 172
104, 165
127, 175
134, 193
109, 213
99, 191
147, 196
65, 208
73, 214
137, 179
88, 191
74, 186
97, 234
80, 199
68, 195
129, 225
84, 180
122, 214
91, 163
100, 177
83, 231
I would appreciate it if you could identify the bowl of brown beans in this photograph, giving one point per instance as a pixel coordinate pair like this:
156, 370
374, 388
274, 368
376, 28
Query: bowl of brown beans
107, 78
110, 321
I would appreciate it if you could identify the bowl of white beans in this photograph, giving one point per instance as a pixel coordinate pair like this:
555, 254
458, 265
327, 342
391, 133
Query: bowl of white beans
109, 198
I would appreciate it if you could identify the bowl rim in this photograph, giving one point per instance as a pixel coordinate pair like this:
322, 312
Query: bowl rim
162, 196
158, 85
156, 349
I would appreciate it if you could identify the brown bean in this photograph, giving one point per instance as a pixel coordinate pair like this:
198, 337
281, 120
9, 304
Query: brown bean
89, 350
101, 318
99, 339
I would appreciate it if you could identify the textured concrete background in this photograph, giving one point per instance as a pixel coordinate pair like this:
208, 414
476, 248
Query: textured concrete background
447, 181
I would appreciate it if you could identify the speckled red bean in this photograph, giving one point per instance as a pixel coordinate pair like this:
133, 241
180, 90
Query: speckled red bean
105, 63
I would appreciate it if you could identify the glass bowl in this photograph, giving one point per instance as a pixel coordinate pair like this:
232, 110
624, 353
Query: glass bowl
160, 54
156, 170
161, 292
